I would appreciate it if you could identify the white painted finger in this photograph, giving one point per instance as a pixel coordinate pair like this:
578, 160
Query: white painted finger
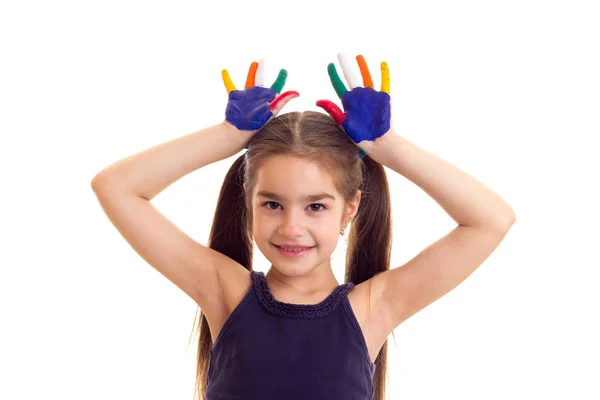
346, 63
261, 74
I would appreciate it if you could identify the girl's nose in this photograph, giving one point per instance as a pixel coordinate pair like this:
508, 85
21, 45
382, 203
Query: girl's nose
292, 226
292, 230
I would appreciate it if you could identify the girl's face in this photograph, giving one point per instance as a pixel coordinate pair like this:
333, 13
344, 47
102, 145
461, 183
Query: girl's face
283, 213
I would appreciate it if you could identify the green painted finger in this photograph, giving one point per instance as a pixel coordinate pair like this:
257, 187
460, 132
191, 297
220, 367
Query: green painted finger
280, 81
337, 83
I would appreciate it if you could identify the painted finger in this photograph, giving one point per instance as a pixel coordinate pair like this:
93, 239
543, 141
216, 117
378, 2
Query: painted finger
251, 75
337, 83
280, 81
227, 81
281, 100
364, 71
346, 64
261, 74
333, 110
385, 78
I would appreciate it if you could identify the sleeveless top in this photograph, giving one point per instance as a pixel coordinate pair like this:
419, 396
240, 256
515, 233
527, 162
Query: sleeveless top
268, 349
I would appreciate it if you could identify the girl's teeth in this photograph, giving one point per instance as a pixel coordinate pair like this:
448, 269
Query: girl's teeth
297, 250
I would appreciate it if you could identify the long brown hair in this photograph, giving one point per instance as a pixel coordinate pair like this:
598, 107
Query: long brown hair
312, 136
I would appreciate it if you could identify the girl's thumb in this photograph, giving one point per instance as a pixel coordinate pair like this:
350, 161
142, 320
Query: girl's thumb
280, 101
333, 110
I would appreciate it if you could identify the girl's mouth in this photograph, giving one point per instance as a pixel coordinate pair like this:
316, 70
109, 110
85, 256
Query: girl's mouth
293, 253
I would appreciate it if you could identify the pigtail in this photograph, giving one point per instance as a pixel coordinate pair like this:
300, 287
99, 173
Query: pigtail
370, 246
230, 236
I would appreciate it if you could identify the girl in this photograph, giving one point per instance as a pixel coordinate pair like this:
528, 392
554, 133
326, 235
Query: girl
295, 333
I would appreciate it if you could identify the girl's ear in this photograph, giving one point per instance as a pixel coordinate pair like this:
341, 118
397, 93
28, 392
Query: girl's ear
352, 208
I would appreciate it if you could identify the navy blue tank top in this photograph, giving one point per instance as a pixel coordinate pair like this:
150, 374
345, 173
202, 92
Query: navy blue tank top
268, 349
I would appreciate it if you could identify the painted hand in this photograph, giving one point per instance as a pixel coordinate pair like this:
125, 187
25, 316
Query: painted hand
366, 114
250, 109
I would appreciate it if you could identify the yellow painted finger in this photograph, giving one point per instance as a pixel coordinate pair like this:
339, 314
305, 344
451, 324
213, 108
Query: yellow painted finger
227, 81
364, 71
385, 78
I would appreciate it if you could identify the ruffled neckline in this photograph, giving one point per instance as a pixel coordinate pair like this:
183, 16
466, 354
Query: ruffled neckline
304, 311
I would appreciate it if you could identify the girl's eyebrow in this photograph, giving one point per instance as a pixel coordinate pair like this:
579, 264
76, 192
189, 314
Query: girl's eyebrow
310, 197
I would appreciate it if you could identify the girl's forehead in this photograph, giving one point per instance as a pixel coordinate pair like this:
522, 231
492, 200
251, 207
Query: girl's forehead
293, 178
285, 168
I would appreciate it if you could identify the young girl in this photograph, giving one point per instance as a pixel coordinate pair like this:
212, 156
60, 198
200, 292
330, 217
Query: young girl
295, 333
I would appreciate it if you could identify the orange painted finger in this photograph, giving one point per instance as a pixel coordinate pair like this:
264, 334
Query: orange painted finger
251, 75
364, 71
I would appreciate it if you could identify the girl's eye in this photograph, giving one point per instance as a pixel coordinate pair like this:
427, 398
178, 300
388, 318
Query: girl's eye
323, 207
267, 204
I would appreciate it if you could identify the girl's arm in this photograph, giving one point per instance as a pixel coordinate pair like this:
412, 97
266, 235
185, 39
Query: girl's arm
468, 201
483, 217
367, 121
149, 172
125, 188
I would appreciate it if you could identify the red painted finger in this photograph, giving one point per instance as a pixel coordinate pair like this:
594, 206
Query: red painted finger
333, 110
280, 101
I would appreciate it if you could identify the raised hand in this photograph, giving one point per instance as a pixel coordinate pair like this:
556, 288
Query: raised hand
250, 109
366, 114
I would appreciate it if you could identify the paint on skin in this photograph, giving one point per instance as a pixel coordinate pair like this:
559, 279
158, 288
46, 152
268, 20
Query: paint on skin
251, 108
248, 110
367, 114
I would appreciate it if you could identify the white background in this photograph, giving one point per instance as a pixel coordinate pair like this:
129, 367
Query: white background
508, 91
